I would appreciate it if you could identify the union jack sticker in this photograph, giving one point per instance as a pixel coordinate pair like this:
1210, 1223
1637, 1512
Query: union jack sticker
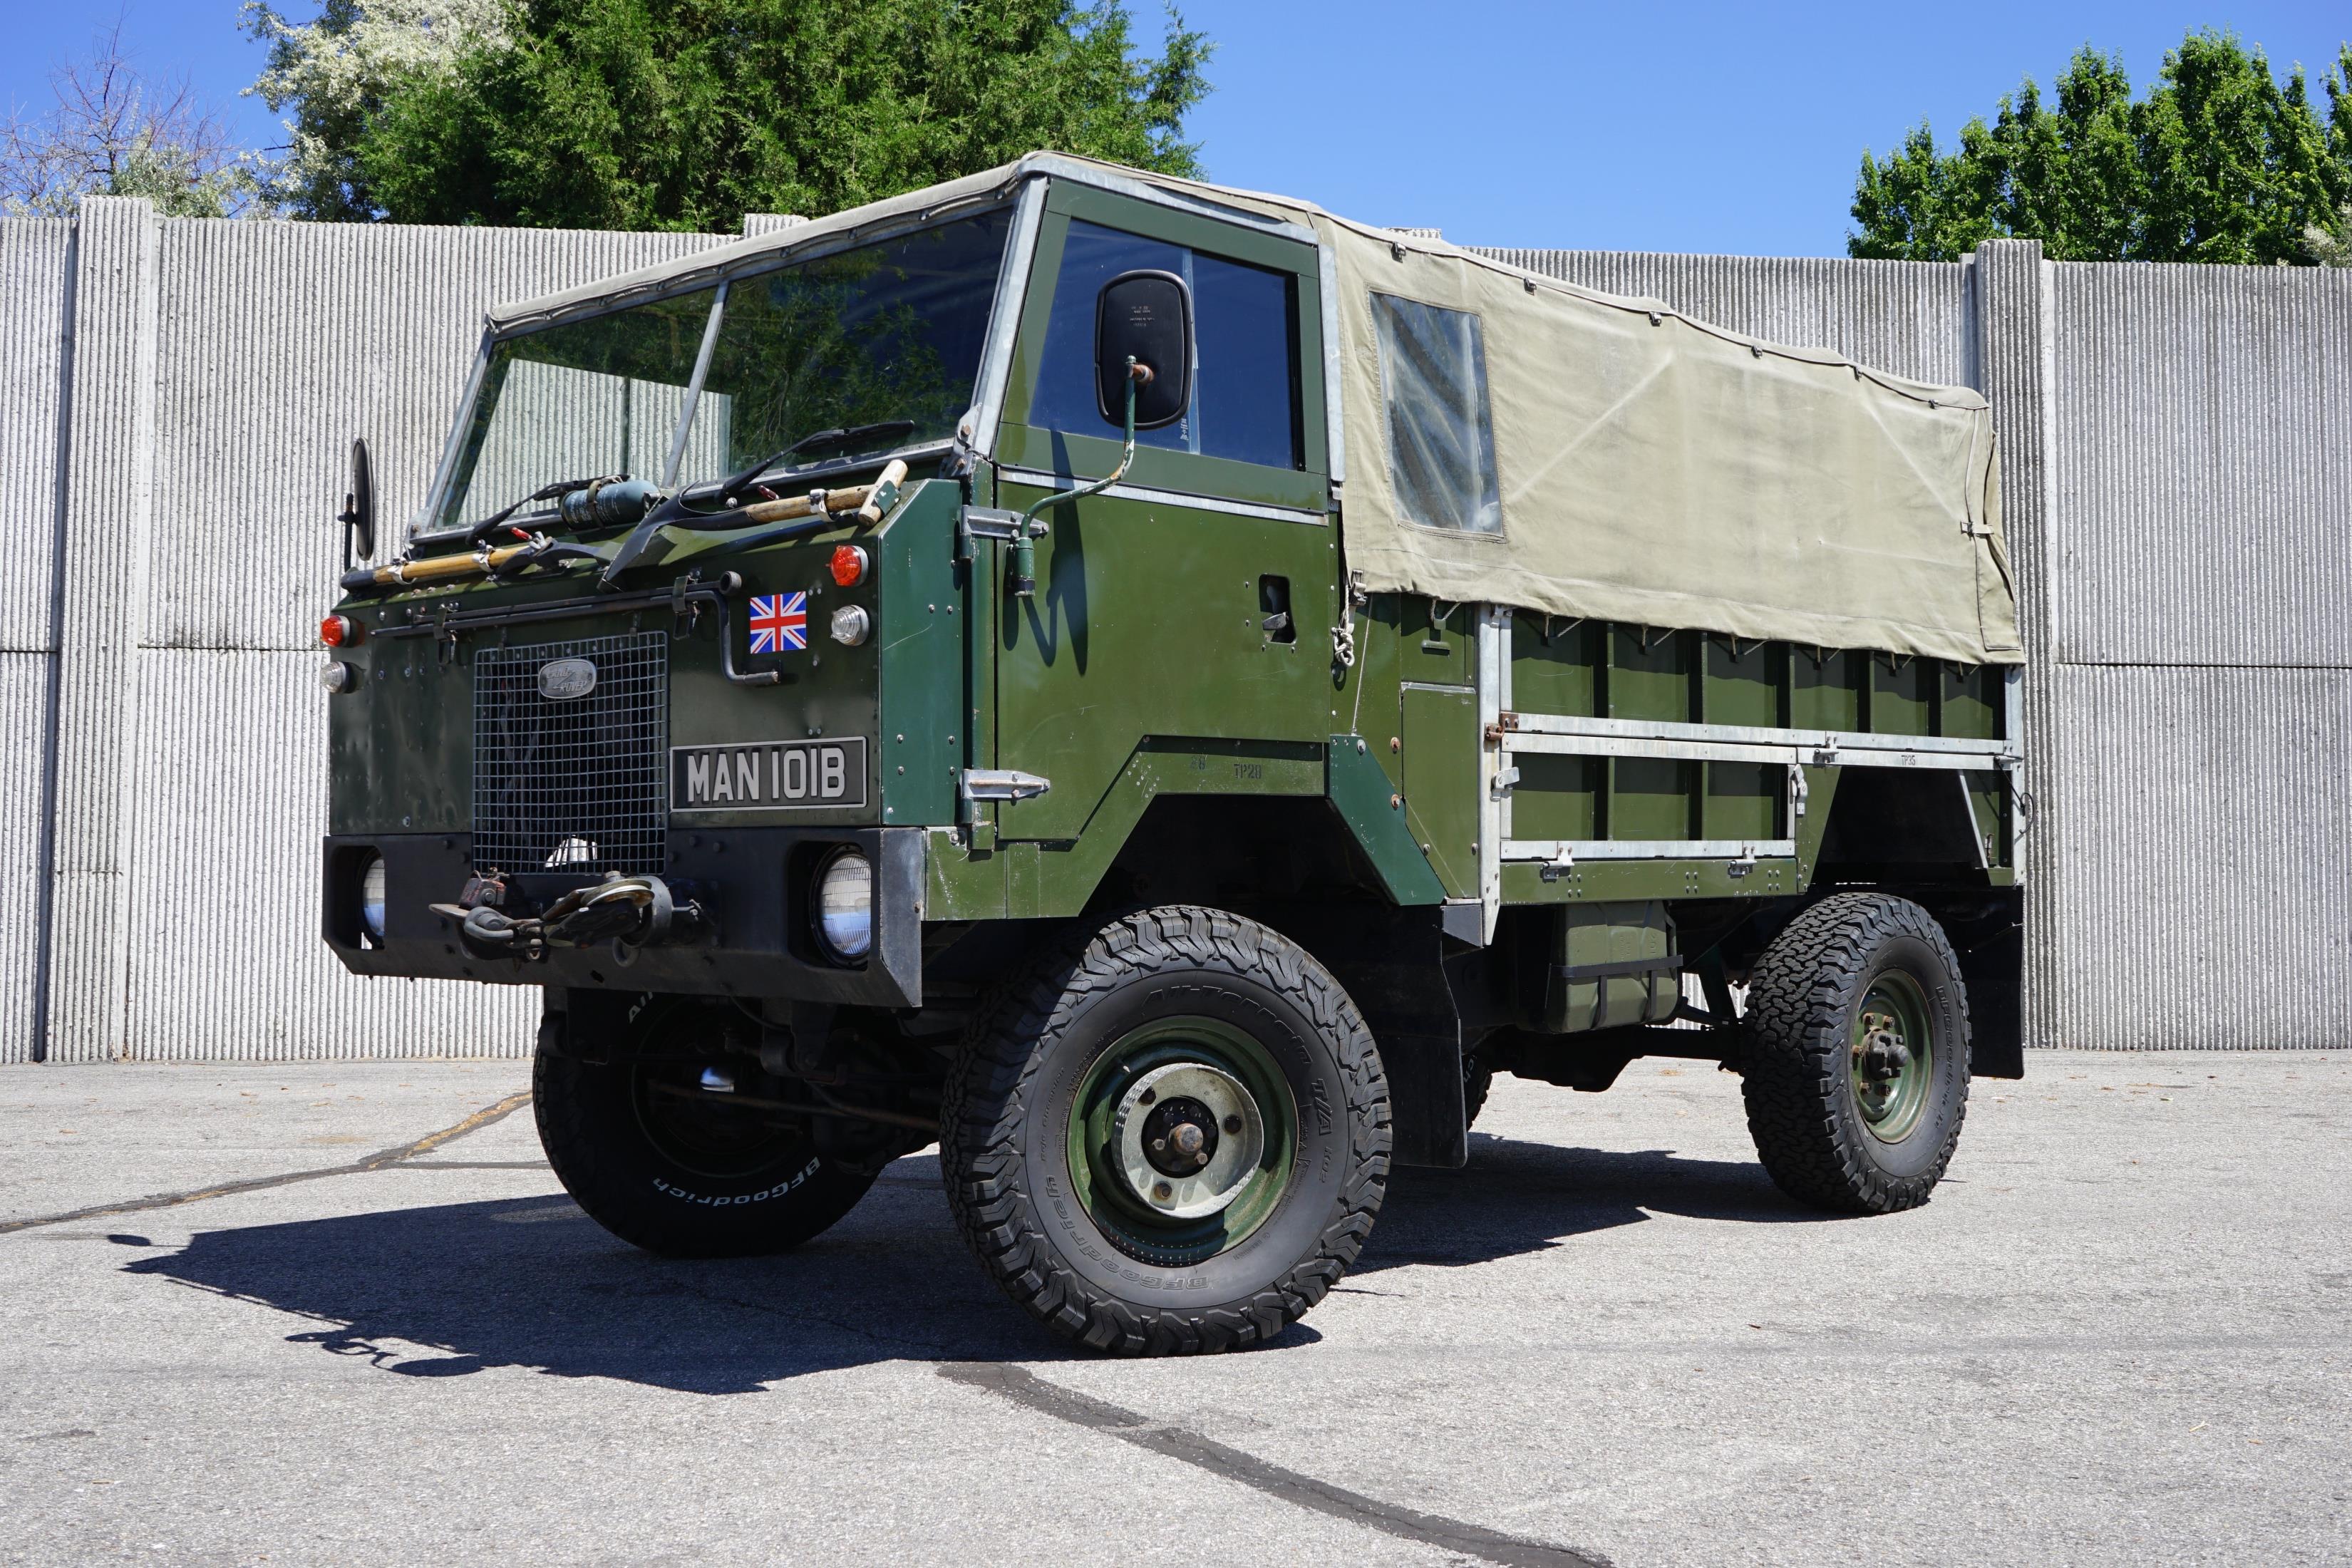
779, 621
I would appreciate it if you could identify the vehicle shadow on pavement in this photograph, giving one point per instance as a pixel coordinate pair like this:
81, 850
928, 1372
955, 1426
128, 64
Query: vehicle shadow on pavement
1516, 1197
449, 1289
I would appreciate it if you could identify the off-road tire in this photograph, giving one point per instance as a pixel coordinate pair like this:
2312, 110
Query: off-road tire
1005, 1155
1478, 1082
596, 1139
1796, 1055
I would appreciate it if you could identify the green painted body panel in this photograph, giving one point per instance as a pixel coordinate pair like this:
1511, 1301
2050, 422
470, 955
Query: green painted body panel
1374, 811
1147, 621
401, 748
1033, 879
919, 646
1439, 726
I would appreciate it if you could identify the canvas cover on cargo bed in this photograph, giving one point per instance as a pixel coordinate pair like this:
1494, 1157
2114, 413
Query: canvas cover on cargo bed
1511, 439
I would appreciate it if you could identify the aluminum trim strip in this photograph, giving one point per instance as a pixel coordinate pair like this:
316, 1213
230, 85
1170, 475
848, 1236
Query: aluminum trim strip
1335, 439
1650, 848
421, 519
1076, 173
1166, 497
1982, 752
1493, 628
1734, 751
694, 388
1004, 319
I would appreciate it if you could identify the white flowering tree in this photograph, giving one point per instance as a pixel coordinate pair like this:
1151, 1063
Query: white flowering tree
337, 74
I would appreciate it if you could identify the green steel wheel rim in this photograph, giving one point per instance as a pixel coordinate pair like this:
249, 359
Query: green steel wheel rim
1893, 1055
1183, 1136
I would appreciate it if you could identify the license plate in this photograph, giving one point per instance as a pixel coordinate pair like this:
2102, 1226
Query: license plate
768, 776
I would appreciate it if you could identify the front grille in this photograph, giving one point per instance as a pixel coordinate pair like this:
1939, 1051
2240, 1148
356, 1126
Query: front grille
582, 784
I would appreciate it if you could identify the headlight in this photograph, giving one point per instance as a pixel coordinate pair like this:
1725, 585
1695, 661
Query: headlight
844, 906
371, 898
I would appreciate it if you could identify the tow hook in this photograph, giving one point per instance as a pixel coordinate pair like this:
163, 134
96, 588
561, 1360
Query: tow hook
628, 912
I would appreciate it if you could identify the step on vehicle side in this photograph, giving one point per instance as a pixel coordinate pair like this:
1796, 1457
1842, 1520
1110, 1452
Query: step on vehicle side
1165, 693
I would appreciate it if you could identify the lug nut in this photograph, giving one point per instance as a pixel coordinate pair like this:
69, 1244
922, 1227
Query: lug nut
1162, 1191
1232, 1123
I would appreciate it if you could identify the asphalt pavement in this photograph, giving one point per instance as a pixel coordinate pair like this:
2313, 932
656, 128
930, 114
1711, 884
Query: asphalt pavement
341, 1313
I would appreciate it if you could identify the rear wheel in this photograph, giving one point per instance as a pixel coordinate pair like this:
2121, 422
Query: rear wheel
1170, 1135
1855, 1054
681, 1148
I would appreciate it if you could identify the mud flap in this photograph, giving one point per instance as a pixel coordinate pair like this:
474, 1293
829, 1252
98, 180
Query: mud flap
1391, 962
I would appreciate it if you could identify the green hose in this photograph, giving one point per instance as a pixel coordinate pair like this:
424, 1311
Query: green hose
1021, 569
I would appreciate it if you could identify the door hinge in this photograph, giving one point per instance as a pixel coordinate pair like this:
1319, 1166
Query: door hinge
987, 522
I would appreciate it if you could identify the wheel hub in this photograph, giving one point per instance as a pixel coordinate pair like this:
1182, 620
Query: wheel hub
1187, 1137
1891, 1069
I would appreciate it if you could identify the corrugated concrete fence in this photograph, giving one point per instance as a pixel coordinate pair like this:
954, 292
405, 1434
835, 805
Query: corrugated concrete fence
177, 398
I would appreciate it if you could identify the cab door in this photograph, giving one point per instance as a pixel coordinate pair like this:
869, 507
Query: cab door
1194, 599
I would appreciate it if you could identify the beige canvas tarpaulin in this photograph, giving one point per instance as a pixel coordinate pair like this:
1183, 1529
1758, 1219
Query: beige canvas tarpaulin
1625, 463
1655, 470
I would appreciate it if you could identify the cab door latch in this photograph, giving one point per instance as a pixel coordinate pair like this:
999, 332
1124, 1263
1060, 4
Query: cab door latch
1002, 783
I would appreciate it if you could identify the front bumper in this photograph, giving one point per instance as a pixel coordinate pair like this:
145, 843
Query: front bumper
755, 884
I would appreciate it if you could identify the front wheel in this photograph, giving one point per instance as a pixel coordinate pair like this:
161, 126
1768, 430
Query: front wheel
1172, 1134
1855, 1054
685, 1149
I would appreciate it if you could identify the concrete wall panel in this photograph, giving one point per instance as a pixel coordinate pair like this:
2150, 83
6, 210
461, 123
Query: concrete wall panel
36, 255
1903, 316
226, 960
24, 697
102, 539
2202, 899
2203, 453
282, 342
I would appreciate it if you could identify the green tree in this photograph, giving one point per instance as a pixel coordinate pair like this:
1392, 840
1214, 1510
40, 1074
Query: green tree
2220, 163
684, 114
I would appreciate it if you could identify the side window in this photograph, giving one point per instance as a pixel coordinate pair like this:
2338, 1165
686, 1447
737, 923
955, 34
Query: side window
1246, 326
1441, 440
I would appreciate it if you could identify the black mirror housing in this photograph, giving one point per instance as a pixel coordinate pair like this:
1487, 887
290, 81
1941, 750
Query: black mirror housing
358, 516
1147, 315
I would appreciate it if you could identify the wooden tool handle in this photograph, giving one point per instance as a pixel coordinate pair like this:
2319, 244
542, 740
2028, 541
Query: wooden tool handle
861, 500
882, 492
432, 569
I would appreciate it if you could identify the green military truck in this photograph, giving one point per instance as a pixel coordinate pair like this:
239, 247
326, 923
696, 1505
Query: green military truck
1165, 692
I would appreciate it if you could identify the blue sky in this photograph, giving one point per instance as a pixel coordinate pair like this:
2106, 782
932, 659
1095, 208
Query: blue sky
1691, 127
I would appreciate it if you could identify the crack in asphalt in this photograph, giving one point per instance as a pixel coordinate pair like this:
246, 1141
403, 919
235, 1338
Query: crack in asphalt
1024, 1388
381, 1160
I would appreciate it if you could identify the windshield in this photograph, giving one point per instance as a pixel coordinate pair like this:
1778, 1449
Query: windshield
889, 331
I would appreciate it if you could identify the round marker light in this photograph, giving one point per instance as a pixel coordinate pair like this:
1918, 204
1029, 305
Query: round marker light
850, 625
336, 631
844, 906
848, 564
371, 898
338, 678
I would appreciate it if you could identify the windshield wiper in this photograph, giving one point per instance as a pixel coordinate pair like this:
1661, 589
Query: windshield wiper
820, 441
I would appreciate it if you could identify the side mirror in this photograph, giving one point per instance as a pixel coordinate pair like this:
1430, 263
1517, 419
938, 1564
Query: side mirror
1147, 315
358, 516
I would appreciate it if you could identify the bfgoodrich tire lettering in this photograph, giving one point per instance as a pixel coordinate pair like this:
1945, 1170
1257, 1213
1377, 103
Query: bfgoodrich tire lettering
759, 1186
1830, 1133
1051, 1230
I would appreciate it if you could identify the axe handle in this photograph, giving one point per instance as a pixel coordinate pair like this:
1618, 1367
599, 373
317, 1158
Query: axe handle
863, 500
